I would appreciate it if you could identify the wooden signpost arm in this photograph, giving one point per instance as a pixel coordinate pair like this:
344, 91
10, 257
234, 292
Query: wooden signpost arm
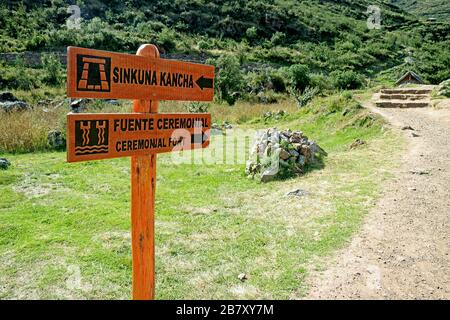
143, 185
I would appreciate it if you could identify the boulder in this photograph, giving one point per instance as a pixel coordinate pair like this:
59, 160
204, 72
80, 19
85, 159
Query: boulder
79, 105
284, 155
4, 164
56, 140
9, 102
9, 106
7, 96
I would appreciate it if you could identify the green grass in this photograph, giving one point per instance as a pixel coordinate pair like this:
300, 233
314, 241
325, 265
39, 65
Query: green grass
65, 228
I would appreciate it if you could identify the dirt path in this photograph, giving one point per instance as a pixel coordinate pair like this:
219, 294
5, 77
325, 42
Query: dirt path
403, 249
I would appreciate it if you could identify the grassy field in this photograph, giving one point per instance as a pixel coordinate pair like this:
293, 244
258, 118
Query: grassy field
65, 228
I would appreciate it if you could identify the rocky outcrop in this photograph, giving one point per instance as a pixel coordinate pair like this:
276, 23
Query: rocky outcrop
4, 164
56, 140
8, 103
281, 154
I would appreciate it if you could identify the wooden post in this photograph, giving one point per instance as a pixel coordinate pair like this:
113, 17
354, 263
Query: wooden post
143, 185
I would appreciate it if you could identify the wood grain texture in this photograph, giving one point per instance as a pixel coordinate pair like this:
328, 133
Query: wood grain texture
114, 135
110, 75
143, 186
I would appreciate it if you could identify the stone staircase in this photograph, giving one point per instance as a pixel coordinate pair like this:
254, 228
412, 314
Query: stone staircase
405, 97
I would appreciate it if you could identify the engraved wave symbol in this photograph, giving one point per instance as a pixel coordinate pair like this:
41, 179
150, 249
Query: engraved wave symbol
91, 149
104, 146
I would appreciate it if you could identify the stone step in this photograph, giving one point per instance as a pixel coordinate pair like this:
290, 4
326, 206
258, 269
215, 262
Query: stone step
407, 91
392, 96
402, 104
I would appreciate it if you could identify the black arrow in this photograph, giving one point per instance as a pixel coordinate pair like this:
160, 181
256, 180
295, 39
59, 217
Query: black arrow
199, 138
203, 82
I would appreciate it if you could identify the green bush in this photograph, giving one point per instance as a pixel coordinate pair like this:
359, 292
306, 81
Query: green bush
346, 80
197, 107
167, 39
321, 82
251, 33
18, 76
52, 67
229, 79
299, 76
277, 38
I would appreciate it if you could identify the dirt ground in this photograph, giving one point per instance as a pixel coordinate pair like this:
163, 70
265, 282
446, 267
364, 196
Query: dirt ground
403, 249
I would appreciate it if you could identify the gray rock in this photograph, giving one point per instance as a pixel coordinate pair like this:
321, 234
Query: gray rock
79, 105
268, 175
296, 137
9, 106
301, 160
294, 153
274, 137
296, 193
242, 277
4, 163
112, 101
56, 140
7, 96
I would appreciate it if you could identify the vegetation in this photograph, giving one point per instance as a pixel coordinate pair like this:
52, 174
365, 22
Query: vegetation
65, 227
65, 230
437, 9
257, 46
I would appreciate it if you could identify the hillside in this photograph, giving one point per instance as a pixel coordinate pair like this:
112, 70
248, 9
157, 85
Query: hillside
439, 9
328, 37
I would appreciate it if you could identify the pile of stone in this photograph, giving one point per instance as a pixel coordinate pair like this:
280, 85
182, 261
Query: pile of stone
281, 154
8, 103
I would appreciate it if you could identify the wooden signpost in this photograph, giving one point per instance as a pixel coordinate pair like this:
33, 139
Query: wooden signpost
146, 78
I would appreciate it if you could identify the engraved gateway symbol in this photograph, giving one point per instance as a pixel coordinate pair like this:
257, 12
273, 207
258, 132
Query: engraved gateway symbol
91, 137
93, 73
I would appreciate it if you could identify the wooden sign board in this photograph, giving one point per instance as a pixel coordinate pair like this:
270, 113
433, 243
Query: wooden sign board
112, 135
109, 75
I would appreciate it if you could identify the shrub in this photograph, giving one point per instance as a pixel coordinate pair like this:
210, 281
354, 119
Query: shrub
251, 33
303, 98
277, 38
203, 45
197, 107
346, 80
229, 79
321, 82
52, 67
299, 76
18, 76
167, 39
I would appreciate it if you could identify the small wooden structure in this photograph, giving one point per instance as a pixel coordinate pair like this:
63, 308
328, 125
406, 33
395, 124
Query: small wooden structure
410, 78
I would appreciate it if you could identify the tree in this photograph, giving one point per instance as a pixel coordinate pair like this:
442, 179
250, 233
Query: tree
229, 79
